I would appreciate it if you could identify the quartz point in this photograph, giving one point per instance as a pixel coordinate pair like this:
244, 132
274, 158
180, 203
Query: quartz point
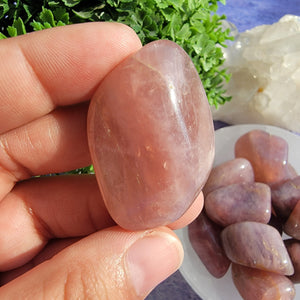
151, 136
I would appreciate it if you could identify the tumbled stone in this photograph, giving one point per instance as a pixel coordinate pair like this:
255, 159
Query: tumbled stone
268, 155
254, 284
285, 196
292, 225
205, 239
293, 248
151, 136
239, 202
256, 245
237, 170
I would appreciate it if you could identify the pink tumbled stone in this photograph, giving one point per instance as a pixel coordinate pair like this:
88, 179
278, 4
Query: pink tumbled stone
151, 136
293, 248
254, 284
285, 196
268, 155
292, 225
258, 246
239, 202
205, 239
238, 170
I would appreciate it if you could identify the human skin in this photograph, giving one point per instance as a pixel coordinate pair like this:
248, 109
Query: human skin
57, 239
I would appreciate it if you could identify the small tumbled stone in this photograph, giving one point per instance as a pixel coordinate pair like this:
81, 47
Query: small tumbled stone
239, 202
268, 155
205, 239
151, 136
254, 284
292, 225
256, 245
285, 196
293, 248
238, 170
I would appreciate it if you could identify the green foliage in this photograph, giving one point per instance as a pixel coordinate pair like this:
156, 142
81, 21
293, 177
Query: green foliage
193, 24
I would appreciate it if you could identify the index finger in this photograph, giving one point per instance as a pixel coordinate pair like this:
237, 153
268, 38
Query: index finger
57, 67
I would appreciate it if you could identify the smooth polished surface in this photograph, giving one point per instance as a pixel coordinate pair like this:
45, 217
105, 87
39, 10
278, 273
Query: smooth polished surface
205, 237
268, 155
254, 284
293, 248
256, 245
236, 170
292, 225
239, 202
285, 196
151, 136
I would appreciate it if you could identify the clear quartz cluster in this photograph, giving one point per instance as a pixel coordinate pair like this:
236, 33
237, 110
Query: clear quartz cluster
265, 84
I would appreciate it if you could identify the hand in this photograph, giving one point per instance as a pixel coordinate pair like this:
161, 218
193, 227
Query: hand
57, 240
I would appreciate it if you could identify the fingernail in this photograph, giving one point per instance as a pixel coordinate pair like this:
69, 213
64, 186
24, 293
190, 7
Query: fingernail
152, 259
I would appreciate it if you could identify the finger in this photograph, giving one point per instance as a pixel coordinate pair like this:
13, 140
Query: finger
58, 66
190, 215
53, 143
51, 249
44, 208
110, 264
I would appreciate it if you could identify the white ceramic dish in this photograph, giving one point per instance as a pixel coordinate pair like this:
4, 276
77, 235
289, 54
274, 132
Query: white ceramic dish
192, 269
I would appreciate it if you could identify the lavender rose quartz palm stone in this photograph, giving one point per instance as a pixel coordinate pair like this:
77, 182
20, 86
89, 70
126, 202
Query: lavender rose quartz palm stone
151, 136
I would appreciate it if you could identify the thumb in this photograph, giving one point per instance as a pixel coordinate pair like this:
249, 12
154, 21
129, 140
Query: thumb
110, 264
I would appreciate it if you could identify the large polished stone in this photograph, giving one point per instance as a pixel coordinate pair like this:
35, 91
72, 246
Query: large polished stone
256, 245
151, 136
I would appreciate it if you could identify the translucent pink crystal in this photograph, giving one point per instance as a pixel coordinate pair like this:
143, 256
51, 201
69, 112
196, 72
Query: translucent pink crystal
256, 245
205, 239
237, 170
268, 155
254, 284
151, 136
239, 202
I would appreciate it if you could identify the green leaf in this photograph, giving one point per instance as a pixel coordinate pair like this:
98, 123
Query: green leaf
12, 31
60, 14
184, 33
17, 28
37, 26
71, 3
4, 8
2, 36
46, 16
84, 14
